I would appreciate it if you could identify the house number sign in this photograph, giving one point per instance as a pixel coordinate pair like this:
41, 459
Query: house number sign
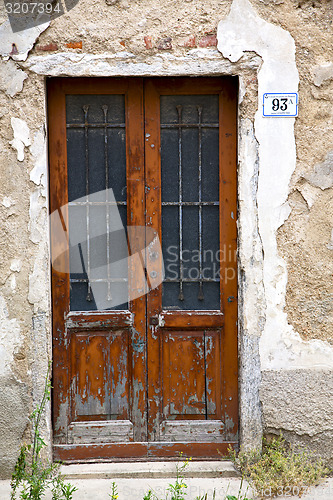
280, 104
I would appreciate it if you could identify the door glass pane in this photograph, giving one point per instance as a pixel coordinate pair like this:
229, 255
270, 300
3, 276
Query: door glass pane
190, 201
96, 157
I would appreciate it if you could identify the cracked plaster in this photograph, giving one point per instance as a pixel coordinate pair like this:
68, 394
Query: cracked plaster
242, 31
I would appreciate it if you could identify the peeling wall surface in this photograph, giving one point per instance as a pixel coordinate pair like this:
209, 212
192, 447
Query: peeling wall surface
285, 192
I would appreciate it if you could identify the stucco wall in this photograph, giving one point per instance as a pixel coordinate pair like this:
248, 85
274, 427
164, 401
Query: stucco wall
285, 192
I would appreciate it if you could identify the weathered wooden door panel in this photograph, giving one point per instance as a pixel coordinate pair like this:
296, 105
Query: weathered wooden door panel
100, 365
191, 184
191, 386
191, 375
156, 373
96, 181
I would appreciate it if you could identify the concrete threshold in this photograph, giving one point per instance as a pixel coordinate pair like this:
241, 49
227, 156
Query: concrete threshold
133, 479
132, 470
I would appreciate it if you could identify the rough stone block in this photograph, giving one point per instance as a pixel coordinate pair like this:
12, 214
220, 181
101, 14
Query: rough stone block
14, 408
299, 402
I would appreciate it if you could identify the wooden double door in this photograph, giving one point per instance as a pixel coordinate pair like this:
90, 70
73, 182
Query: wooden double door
144, 285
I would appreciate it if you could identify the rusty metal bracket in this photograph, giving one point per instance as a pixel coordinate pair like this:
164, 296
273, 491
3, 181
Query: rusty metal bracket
153, 320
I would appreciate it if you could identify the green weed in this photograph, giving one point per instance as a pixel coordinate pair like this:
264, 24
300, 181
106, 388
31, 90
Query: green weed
114, 491
32, 477
278, 469
178, 489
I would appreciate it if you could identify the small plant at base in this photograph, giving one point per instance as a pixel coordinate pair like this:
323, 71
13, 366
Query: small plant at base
240, 495
62, 490
279, 470
150, 496
232, 497
31, 476
177, 490
205, 497
114, 492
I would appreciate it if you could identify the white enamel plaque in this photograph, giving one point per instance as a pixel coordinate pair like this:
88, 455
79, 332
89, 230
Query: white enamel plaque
279, 104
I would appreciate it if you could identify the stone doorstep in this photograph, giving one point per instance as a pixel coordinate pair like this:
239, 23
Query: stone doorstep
131, 470
132, 488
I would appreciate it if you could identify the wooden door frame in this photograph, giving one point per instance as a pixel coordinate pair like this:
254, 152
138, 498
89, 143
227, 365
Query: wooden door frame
228, 194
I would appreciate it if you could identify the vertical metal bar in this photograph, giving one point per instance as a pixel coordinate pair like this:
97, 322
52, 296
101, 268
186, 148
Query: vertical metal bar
105, 111
86, 109
180, 199
200, 294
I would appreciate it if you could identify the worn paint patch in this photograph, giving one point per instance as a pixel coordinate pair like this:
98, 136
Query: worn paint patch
39, 152
309, 193
11, 78
21, 136
38, 225
10, 338
7, 202
16, 265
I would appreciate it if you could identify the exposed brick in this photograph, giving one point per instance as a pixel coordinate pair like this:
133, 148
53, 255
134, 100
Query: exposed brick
148, 42
165, 44
74, 45
190, 42
208, 41
48, 48
122, 43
